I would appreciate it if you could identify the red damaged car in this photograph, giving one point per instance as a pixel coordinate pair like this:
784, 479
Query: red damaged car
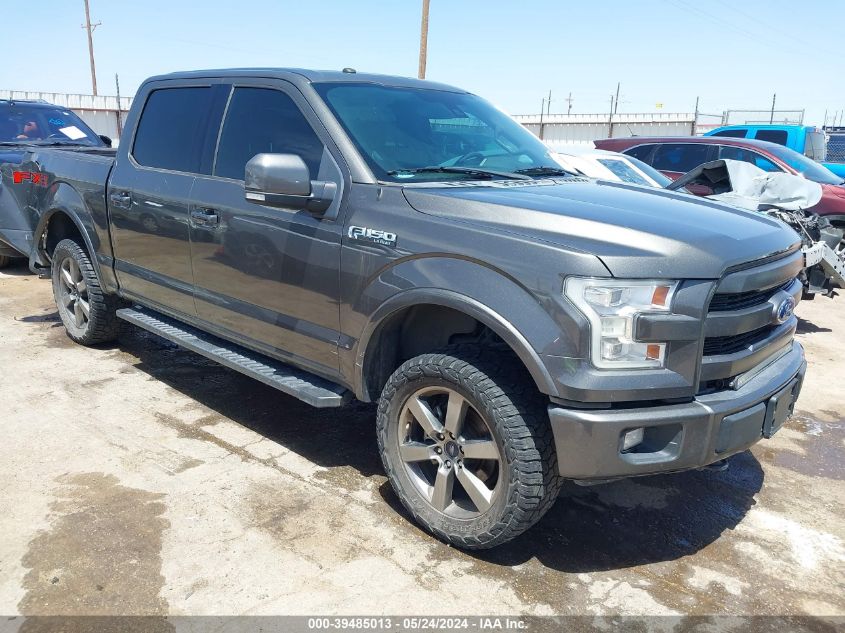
676, 155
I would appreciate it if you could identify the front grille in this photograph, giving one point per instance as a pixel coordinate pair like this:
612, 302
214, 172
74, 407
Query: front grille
744, 333
740, 300
716, 345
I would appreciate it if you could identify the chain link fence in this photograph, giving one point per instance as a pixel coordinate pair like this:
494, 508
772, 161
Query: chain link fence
763, 117
836, 145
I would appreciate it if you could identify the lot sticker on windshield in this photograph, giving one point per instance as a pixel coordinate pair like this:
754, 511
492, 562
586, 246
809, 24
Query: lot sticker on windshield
56, 122
72, 132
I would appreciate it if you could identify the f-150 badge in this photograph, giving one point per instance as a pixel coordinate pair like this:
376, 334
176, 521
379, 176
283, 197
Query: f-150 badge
375, 236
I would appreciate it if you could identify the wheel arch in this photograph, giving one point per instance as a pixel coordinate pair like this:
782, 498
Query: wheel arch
66, 216
374, 365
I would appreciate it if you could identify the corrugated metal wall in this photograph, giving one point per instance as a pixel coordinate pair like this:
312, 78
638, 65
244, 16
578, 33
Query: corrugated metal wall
100, 112
558, 129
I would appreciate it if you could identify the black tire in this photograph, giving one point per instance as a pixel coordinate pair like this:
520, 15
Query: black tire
500, 394
5, 260
101, 324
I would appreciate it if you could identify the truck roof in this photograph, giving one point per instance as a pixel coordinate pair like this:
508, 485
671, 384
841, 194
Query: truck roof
765, 126
29, 102
304, 75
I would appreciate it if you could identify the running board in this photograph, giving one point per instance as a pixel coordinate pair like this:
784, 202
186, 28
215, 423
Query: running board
316, 391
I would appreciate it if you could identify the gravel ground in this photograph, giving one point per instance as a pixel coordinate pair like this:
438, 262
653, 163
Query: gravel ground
141, 479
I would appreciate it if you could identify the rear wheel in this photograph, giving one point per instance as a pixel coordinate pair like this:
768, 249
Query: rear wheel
5, 260
467, 446
87, 313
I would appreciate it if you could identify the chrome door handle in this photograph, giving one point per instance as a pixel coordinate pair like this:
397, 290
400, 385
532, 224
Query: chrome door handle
205, 217
122, 200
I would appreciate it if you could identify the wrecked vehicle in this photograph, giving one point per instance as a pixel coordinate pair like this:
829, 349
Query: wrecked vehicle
787, 198
740, 184
419, 248
677, 155
25, 125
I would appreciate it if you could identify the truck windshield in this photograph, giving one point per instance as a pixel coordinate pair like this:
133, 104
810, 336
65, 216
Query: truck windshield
399, 131
810, 169
27, 123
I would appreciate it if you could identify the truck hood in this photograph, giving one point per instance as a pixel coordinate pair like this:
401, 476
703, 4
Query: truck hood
637, 232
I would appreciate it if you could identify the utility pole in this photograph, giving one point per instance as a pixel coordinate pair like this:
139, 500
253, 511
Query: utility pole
423, 39
569, 101
542, 110
549, 103
772, 117
695, 118
119, 120
610, 119
90, 28
616, 102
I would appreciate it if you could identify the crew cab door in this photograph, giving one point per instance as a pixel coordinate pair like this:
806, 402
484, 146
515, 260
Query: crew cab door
268, 275
149, 192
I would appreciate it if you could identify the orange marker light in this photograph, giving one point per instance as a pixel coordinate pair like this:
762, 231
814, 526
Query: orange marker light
661, 294
652, 352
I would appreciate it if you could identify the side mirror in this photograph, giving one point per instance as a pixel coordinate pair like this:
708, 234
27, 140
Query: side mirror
105, 139
283, 180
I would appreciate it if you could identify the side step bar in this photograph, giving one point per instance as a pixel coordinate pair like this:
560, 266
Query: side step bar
316, 391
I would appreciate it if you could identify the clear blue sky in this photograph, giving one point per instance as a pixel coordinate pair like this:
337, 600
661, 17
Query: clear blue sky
731, 53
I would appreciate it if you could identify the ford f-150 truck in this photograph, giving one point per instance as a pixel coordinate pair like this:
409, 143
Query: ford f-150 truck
339, 235
24, 125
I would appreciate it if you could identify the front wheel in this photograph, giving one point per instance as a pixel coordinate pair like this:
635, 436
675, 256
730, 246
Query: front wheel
87, 312
466, 443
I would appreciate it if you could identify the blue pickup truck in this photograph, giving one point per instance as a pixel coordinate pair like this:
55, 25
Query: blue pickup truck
804, 139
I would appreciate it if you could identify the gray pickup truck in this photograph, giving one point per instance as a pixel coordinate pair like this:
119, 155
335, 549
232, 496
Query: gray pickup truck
338, 235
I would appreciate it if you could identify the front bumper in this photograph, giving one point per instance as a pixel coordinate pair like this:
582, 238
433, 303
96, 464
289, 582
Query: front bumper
678, 436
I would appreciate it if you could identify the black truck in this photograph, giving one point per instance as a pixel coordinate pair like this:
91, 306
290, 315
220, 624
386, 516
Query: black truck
25, 125
340, 235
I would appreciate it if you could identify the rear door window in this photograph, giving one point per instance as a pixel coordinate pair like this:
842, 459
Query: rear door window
172, 129
740, 133
263, 120
642, 152
731, 152
680, 157
773, 136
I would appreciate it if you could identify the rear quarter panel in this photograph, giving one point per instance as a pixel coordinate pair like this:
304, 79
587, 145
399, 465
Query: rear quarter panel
75, 186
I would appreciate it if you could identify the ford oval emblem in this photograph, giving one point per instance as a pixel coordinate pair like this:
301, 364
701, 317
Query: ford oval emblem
784, 310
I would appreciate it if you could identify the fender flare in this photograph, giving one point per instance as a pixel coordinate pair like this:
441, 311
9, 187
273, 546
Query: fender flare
63, 200
462, 303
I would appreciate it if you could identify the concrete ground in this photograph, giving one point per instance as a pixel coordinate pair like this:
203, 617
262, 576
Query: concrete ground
141, 479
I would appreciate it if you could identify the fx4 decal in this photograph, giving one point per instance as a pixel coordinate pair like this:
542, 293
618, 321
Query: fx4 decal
375, 236
34, 177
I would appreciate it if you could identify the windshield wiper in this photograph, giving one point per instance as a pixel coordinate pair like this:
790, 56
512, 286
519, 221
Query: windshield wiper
473, 171
40, 144
546, 171
59, 144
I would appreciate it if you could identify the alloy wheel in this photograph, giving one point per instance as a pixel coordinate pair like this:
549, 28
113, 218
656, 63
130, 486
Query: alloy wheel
449, 452
74, 292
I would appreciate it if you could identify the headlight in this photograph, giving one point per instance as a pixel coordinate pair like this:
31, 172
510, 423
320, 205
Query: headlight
612, 305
